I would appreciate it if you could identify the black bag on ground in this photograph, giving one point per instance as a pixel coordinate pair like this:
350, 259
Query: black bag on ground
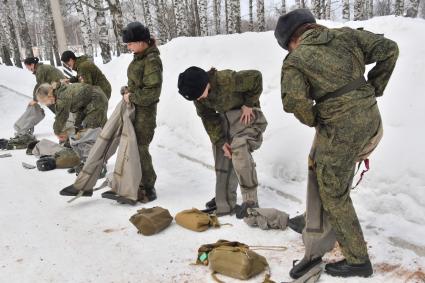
46, 163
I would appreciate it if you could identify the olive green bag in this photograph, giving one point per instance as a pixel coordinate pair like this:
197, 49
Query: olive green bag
66, 158
233, 259
236, 262
196, 220
150, 221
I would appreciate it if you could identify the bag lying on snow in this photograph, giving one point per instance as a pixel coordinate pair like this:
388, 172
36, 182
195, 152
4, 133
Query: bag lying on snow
46, 163
196, 220
150, 221
233, 259
267, 218
64, 157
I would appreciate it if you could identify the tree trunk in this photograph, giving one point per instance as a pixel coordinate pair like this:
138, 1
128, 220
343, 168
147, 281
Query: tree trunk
203, 17
51, 45
181, 20
59, 35
302, 4
85, 29
24, 29
217, 15
4, 48
283, 7
251, 16
328, 10
358, 10
346, 10
10, 33
261, 19
147, 15
234, 17
298, 4
117, 24
399, 7
226, 12
412, 11
316, 8
370, 9
103, 32
193, 18
160, 22
237, 15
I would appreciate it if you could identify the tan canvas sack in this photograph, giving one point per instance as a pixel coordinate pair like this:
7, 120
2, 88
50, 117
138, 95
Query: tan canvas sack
196, 220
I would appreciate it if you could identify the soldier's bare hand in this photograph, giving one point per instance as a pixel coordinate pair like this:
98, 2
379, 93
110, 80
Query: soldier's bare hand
81, 79
247, 115
64, 81
227, 150
62, 137
126, 97
32, 103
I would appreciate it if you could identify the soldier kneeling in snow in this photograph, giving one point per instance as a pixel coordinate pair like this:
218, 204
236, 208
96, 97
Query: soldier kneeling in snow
228, 104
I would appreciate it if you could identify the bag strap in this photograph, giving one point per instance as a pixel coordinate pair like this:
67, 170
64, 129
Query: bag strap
268, 248
353, 85
367, 166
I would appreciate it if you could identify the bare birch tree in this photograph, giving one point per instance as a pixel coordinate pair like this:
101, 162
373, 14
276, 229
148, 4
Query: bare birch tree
261, 18
10, 32
23, 28
100, 20
85, 29
346, 10
217, 16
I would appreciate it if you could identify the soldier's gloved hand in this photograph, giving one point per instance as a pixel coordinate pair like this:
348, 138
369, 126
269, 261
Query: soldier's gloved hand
124, 90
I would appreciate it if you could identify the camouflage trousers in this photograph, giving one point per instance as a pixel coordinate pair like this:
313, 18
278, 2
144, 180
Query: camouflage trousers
144, 127
330, 213
94, 115
243, 139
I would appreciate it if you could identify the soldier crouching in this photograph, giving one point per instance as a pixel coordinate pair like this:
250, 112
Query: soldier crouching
228, 104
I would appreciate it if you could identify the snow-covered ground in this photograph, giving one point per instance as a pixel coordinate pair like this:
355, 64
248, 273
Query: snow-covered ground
44, 239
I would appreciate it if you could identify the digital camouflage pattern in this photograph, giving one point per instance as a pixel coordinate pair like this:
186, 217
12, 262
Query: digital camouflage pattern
92, 75
88, 102
46, 74
326, 60
229, 90
144, 85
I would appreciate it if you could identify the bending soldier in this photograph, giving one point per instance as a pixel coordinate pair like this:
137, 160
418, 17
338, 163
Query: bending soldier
228, 104
323, 85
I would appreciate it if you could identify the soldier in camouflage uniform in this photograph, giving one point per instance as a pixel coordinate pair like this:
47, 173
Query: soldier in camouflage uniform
24, 127
87, 102
229, 106
143, 90
323, 85
87, 71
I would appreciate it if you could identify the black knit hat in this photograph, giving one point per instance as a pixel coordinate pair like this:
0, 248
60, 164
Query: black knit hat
31, 60
192, 83
288, 24
135, 32
68, 55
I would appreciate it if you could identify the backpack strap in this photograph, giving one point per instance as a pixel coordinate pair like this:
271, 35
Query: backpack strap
353, 85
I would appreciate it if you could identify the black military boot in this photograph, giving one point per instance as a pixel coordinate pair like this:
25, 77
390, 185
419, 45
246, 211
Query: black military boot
110, 195
344, 269
146, 194
124, 200
303, 267
211, 203
72, 191
242, 210
3, 143
297, 223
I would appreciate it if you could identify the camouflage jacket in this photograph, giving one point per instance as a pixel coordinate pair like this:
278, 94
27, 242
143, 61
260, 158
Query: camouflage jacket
328, 59
145, 77
71, 98
91, 74
229, 90
46, 74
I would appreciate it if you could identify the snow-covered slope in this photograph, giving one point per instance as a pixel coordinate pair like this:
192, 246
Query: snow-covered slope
91, 240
